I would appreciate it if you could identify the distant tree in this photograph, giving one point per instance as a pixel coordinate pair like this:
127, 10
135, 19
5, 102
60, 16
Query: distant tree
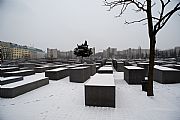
83, 50
155, 23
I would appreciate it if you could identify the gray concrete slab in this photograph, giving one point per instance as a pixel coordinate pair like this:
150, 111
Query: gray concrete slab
100, 91
79, 74
133, 74
166, 75
57, 74
21, 87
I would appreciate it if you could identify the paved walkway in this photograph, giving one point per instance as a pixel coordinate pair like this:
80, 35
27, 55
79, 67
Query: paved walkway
63, 100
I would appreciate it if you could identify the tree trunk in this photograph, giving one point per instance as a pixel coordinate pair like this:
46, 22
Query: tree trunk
152, 49
151, 67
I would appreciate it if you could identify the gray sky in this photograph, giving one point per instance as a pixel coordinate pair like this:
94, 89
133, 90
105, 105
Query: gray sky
63, 24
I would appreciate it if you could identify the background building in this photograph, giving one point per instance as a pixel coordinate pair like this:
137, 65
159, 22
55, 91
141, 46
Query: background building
52, 53
14, 51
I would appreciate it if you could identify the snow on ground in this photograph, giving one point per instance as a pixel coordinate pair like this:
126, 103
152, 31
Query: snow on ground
64, 100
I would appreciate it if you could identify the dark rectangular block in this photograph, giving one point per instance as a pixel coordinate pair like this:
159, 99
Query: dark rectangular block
79, 74
7, 69
120, 66
108, 63
144, 85
39, 69
52, 66
28, 65
177, 67
133, 74
21, 87
58, 73
105, 69
100, 91
92, 68
19, 73
145, 66
8, 80
114, 62
166, 75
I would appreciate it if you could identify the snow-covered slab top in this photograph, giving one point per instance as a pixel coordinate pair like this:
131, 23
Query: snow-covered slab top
133, 68
177, 65
79, 64
143, 63
106, 68
63, 65
8, 78
101, 80
46, 66
79, 68
164, 68
131, 62
89, 64
120, 62
20, 71
27, 79
8, 68
57, 69
26, 63
70, 66
39, 67
160, 61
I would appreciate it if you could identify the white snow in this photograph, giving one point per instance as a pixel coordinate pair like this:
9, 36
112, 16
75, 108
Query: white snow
64, 100
133, 67
177, 65
20, 71
63, 65
101, 80
8, 78
106, 68
120, 62
143, 63
71, 66
57, 69
39, 67
164, 68
78, 68
8, 68
26, 80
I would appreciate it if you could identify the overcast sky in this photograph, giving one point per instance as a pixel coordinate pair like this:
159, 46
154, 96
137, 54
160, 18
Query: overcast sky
63, 24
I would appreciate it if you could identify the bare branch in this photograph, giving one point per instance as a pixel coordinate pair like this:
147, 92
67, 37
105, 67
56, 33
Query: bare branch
124, 4
155, 18
160, 21
139, 5
163, 19
153, 4
136, 21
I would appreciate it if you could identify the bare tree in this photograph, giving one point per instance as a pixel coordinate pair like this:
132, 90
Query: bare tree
155, 23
